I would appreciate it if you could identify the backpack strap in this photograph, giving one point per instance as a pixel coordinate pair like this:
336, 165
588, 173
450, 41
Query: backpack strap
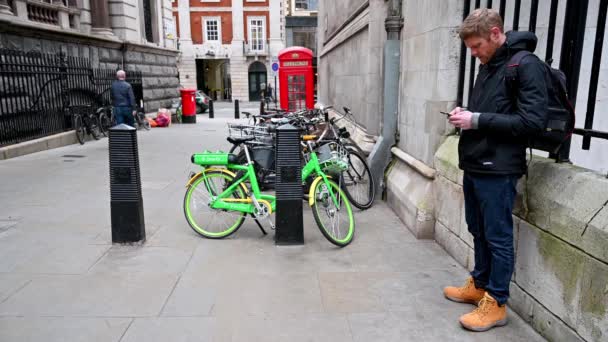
512, 65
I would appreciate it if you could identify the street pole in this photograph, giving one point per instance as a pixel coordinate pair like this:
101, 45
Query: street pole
380, 156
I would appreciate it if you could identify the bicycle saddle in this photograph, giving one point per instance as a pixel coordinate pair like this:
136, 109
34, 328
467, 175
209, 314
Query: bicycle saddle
238, 141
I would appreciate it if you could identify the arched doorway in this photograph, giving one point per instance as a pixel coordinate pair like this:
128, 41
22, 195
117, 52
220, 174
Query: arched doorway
257, 80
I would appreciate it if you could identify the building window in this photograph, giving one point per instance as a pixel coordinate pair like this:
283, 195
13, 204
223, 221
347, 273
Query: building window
307, 39
306, 5
257, 33
212, 30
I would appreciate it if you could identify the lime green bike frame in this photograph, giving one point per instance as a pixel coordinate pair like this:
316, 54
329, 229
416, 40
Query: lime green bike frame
248, 174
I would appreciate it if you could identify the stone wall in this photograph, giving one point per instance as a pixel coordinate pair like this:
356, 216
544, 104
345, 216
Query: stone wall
350, 62
560, 284
430, 50
160, 78
561, 233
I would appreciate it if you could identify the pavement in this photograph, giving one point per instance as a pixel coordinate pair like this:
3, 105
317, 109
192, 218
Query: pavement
61, 278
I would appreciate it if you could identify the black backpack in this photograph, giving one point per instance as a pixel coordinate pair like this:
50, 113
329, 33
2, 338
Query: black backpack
560, 114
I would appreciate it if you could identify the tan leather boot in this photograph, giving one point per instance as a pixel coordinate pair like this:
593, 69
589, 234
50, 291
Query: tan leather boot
465, 294
488, 315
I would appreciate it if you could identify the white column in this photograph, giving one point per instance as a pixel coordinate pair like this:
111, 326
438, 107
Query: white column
5, 8
187, 63
276, 43
183, 10
238, 61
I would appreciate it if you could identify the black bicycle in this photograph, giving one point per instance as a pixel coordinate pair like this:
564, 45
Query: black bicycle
141, 120
85, 121
106, 119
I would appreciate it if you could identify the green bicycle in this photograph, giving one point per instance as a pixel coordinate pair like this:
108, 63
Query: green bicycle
219, 198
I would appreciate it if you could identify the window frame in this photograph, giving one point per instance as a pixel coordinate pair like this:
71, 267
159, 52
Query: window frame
250, 33
218, 20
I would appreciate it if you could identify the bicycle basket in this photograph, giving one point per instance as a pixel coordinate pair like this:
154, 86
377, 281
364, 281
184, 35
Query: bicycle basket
332, 157
240, 131
264, 156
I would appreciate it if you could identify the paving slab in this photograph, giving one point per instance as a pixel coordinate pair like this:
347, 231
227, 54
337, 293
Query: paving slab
62, 279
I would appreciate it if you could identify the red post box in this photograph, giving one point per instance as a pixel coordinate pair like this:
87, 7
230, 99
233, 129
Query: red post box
296, 78
188, 105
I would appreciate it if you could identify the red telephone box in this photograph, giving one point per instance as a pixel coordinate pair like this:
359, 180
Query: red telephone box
296, 78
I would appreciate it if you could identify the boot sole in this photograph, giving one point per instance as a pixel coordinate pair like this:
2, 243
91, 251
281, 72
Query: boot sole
460, 300
499, 323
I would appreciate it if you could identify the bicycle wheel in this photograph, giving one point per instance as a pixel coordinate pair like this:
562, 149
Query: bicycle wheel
357, 181
104, 123
206, 221
335, 222
79, 128
94, 127
142, 121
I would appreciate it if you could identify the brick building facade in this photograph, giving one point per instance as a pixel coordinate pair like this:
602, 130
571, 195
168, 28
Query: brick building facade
227, 46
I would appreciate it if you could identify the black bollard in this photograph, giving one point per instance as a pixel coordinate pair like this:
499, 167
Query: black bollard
126, 202
288, 186
211, 111
262, 107
237, 111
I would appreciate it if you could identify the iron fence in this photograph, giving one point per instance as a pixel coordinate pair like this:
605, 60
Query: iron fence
571, 53
37, 90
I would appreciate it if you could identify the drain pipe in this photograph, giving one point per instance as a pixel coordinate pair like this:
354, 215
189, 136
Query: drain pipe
381, 153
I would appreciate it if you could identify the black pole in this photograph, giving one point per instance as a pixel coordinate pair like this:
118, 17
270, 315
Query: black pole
473, 64
571, 56
501, 9
126, 202
275, 91
463, 59
211, 110
289, 220
551, 32
595, 70
533, 14
262, 107
237, 111
516, 15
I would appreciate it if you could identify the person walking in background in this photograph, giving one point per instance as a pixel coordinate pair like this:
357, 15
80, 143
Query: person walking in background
496, 128
123, 100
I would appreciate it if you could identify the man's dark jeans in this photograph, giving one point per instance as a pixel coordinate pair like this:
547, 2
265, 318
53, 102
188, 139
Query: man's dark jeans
489, 201
124, 115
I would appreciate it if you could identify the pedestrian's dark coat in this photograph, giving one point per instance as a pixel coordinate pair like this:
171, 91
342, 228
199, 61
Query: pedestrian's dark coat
498, 145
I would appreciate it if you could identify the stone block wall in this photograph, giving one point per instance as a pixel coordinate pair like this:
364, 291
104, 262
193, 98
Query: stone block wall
560, 284
351, 37
430, 50
160, 76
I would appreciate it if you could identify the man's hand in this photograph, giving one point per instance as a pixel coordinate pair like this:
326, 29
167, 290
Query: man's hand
461, 118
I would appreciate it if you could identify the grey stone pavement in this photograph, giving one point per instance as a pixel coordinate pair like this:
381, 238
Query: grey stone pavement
61, 279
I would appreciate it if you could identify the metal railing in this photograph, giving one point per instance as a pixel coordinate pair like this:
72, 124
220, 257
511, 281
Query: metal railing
248, 49
37, 89
571, 53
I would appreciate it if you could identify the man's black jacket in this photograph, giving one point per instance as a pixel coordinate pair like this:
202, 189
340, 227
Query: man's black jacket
122, 94
498, 145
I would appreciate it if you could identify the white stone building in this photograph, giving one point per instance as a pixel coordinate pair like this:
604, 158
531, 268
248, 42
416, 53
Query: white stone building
227, 46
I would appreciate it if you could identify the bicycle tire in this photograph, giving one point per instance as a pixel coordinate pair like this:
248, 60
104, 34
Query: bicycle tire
104, 123
322, 203
355, 176
94, 127
79, 129
142, 121
189, 202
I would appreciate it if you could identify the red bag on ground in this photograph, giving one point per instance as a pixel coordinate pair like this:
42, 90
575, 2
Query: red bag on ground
162, 120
